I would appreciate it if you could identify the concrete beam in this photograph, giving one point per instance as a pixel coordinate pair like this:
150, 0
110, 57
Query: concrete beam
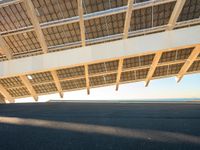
105, 51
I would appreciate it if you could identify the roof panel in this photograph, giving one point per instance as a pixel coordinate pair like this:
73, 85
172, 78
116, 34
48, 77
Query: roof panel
103, 67
191, 10
51, 10
73, 84
104, 26
103, 79
142, 73
11, 82
175, 68
168, 56
161, 71
183, 54
23, 43
100, 5
195, 66
71, 72
151, 16
137, 61
45, 88
41, 77
128, 76
62, 34
13, 17
18, 92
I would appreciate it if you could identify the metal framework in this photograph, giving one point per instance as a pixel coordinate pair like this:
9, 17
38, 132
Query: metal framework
37, 31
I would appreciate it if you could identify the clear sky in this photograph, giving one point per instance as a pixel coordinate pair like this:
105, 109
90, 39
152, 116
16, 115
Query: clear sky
189, 87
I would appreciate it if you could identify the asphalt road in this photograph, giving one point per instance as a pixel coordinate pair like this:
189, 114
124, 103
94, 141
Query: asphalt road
94, 126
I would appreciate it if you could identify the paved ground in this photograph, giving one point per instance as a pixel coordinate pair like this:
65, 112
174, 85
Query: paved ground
86, 126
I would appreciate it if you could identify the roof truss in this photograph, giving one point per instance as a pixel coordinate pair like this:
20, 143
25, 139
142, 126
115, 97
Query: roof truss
5, 93
4, 48
119, 72
175, 14
57, 82
128, 18
82, 27
153, 67
32, 14
188, 63
87, 79
28, 85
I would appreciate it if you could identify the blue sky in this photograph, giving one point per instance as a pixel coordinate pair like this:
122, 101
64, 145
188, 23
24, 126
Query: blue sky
189, 87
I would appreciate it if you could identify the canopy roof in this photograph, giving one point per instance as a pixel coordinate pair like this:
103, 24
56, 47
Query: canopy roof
40, 28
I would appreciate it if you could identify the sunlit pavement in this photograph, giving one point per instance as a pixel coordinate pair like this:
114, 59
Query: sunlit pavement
98, 126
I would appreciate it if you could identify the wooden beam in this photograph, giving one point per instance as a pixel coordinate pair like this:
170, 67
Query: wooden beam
28, 85
7, 95
153, 68
128, 18
188, 63
32, 14
87, 79
4, 48
119, 72
81, 20
57, 82
175, 14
